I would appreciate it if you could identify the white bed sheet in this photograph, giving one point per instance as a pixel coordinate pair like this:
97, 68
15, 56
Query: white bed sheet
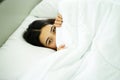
94, 55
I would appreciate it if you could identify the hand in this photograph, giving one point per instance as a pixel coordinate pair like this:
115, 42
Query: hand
58, 21
61, 47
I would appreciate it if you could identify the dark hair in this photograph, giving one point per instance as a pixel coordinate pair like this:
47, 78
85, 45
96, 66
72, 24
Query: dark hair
31, 35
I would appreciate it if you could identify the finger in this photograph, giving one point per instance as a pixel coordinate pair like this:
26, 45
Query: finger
62, 46
59, 15
58, 22
57, 25
58, 19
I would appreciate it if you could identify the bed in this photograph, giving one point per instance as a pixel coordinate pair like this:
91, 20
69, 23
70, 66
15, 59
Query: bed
94, 46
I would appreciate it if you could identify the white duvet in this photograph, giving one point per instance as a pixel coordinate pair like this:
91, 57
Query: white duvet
93, 52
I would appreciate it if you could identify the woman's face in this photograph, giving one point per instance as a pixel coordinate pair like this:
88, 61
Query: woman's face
48, 36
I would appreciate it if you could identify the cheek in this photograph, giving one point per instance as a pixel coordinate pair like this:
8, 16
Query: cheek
53, 45
55, 39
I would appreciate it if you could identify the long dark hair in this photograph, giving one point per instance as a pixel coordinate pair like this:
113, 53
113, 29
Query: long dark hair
31, 35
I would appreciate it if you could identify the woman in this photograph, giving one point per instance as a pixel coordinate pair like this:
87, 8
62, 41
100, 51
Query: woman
43, 33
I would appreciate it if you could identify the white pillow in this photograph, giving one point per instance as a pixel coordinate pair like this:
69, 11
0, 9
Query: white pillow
16, 55
46, 9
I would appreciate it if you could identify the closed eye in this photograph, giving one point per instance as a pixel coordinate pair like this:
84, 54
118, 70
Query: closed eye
49, 41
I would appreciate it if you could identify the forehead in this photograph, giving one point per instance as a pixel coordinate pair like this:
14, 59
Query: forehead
45, 33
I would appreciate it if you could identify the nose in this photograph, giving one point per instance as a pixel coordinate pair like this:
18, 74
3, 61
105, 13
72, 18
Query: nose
53, 35
54, 38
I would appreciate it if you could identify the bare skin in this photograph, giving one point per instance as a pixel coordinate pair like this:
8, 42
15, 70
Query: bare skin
48, 34
58, 23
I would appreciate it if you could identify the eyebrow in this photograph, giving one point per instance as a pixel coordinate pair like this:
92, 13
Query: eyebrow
47, 41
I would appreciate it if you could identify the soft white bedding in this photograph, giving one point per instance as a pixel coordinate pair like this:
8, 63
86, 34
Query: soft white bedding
94, 31
95, 51
16, 55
